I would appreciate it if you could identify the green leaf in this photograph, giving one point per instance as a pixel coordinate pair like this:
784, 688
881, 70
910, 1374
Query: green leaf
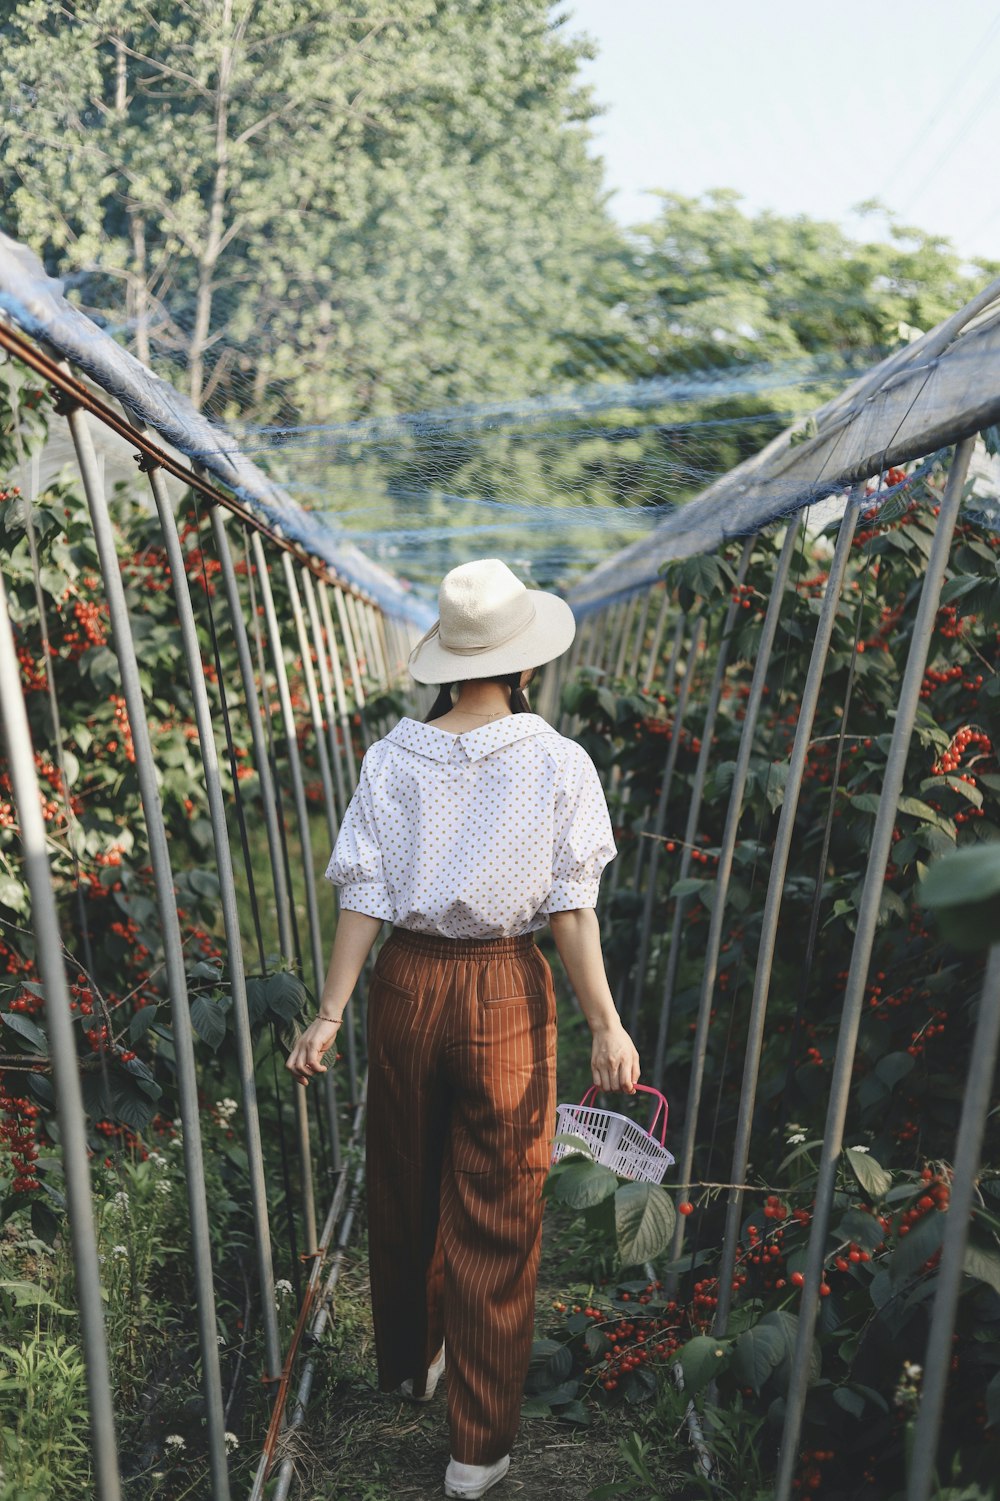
863, 1229
866, 802
702, 1360
644, 1221
583, 1184
575, 1412
966, 876
567, 1139
30, 1295
870, 1174
208, 1019
850, 1401
286, 995
141, 1022
787, 1325
916, 1247
983, 1262
993, 1402
13, 894
758, 1351
963, 888
26, 1028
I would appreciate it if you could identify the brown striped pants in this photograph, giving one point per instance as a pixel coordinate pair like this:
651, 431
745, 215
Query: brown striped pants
461, 1112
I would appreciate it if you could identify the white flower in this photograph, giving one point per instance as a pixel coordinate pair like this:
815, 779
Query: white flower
221, 1338
119, 1250
174, 1441
163, 1187
157, 1159
232, 1442
121, 1201
794, 1140
859, 1149
177, 1141
283, 1288
912, 1371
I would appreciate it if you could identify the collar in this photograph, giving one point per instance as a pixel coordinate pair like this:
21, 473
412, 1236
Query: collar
428, 740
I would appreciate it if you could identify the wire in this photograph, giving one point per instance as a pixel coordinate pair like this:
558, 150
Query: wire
978, 51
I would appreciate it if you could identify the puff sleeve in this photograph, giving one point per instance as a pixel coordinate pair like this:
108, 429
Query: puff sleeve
356, 863
583, 841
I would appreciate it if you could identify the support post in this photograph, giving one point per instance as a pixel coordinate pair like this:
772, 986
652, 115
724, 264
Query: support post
864, 940
183, 1037
65, 1065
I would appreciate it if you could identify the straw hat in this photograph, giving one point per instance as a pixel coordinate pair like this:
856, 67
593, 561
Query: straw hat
490, 624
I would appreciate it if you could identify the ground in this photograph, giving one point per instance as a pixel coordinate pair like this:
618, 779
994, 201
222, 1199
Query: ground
362, 1445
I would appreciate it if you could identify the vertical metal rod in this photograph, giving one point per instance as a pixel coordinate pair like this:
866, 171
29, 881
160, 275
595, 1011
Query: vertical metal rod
640, 634
376, 630
694, 816
598, 627
347, 1031
65, 1067
338, 682
308, 873
183, 1037
879, 849
268, 797
326, 686
656, 645
361, 655
685, 1161
976, 1101
628, 621
329, 1085
312, 694
230, 916
772, 906
350, 639
659, 821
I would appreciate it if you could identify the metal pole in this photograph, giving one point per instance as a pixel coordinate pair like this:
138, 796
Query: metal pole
694, 815
328, 1079
657, 641
338, 681
183, 1038
65, 1066
772, 906
659, 821
628, 620
350, 638
864, 939
976, 1102
685, 1161
268, 798
230, 916
326, 685
640, 634
308, 873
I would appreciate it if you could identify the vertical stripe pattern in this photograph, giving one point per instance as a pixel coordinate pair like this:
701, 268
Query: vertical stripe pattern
462, 1049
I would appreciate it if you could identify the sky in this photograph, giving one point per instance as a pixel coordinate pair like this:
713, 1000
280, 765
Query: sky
803, 108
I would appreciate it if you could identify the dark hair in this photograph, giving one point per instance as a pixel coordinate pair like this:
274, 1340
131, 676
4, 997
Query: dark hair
511, 680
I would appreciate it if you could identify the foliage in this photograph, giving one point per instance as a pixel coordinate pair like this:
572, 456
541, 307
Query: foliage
920, 1002
296, 207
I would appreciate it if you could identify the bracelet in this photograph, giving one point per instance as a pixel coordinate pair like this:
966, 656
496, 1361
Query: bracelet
333, 1020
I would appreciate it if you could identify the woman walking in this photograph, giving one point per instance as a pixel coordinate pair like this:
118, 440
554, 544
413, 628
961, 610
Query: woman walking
468, 832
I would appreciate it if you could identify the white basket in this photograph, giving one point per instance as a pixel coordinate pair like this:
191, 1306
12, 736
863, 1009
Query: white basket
616, 1141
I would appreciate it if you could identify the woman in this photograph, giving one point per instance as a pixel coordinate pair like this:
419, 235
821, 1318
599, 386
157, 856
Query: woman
468, 832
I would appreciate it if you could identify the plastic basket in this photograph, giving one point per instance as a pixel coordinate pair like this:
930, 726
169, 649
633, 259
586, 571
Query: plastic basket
616, 1140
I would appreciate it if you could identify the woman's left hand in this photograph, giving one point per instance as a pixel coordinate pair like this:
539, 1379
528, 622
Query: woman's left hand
614, 1061
306, 1058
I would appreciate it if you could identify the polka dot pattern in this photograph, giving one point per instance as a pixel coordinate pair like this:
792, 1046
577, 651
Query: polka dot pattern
479, 835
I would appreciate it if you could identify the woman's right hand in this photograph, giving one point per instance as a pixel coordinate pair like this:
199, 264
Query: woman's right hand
614, 1060
306, 1058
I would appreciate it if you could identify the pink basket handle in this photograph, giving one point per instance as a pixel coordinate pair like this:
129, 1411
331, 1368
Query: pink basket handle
647, 1089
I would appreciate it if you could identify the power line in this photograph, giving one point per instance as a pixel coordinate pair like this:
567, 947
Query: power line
945, 100
985, 98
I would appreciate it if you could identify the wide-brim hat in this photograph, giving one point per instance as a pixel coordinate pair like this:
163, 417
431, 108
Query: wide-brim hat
490, 624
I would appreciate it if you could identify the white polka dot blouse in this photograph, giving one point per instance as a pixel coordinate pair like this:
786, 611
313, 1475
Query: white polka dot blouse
479, 835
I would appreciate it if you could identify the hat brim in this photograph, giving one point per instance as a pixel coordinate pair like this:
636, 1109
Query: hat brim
548, 635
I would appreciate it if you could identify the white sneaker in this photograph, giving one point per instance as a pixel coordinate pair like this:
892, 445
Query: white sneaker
473, 1480
434, 1371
